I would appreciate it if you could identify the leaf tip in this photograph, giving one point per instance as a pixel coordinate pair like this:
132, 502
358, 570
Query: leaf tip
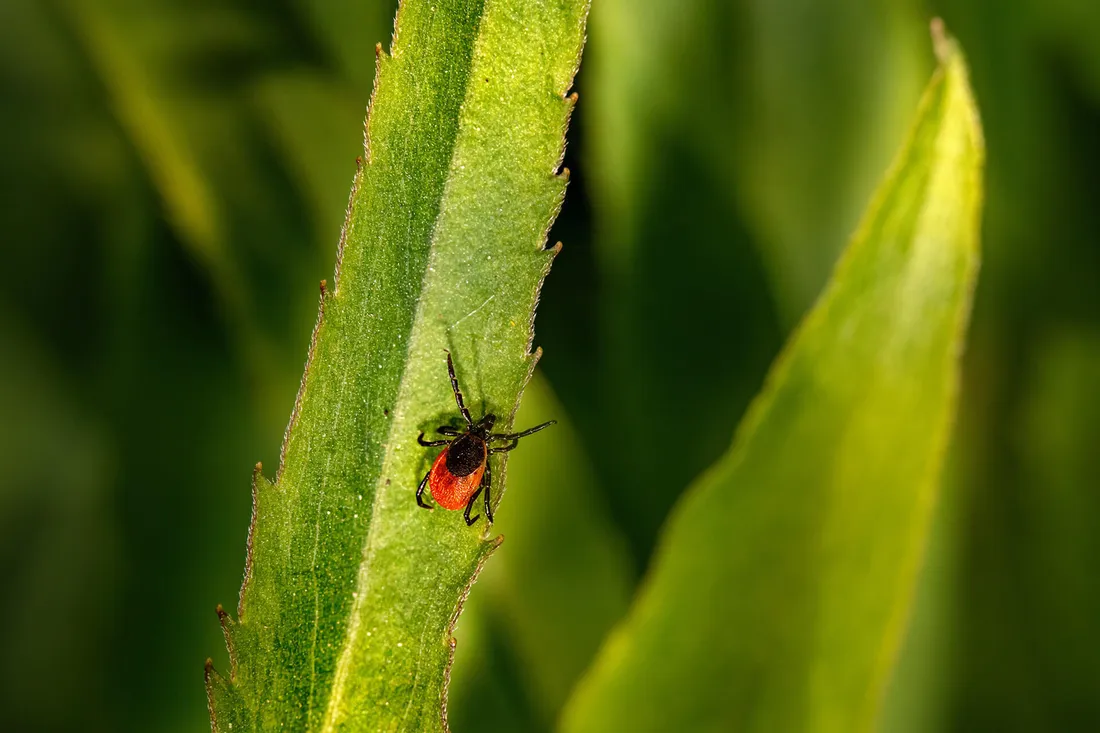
943, 44
952, 60
210, 678
257, 480
227, 633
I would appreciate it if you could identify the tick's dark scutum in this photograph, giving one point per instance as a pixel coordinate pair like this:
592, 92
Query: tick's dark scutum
465, 455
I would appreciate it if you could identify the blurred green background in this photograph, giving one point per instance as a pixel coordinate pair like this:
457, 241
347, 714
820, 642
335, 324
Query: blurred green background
172, 186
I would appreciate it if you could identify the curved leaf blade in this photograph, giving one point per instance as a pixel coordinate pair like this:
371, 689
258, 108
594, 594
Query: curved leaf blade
351, 590
782, 589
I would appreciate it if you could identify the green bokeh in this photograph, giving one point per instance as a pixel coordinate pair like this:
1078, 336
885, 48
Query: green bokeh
173, 183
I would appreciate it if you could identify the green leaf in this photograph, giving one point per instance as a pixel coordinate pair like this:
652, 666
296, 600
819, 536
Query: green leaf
780, 594
350, 589
916, 697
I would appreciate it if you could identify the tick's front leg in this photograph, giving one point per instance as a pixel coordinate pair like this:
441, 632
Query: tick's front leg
488, 483
431, 443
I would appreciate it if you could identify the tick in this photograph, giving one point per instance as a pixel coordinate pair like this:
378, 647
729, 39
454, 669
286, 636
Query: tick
461, 472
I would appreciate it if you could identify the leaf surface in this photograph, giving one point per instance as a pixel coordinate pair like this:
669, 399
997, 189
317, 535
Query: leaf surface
350, 589
782, 588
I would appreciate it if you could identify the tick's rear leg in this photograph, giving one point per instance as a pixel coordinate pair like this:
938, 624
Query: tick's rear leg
470, 505
420, 491
488, 483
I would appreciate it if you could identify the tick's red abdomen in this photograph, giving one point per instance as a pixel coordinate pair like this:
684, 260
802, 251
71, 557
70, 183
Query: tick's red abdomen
448, 490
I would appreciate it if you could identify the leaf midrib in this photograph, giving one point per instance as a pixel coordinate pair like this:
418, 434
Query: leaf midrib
340, 676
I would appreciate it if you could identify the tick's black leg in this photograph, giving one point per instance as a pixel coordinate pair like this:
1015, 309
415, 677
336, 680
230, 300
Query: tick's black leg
430, 443
505, 448
469, 506
448, 430
420, 491
457, 391
528, 431
488, 483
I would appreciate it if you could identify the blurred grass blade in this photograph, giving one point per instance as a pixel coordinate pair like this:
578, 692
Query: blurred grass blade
193, 142
351, 590
140, 99
781, 591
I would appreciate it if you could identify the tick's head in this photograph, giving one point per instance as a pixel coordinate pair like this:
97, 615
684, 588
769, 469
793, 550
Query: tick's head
485, 424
